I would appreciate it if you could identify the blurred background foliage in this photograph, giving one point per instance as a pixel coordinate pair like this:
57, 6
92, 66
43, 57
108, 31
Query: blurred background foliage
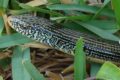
95, 17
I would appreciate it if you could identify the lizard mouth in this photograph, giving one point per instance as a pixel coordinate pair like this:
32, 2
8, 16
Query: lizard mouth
14, 22
9, 21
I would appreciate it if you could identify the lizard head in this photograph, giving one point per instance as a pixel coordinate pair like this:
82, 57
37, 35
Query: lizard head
20, 22
27, 23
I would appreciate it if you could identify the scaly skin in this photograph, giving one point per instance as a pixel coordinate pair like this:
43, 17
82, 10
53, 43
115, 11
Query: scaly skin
52, 34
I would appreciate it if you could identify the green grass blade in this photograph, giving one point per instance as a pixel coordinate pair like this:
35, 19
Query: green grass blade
53, 1
74, 26
100, 10
81, 2
3, 5
14, 4
116, 6
18, 71
83, 8
79, 61
94, 68
33, 72
79, 17
12, 40
26, 54
102, 33
27, 7
108, 71
1, 25
21, 11
110, 26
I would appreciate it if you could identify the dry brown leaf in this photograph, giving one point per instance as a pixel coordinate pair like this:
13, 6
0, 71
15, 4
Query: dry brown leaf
37, 45
8, 29
95, 2
37, 3
4, 55
54, 76
68, 69
69, 77
50, 64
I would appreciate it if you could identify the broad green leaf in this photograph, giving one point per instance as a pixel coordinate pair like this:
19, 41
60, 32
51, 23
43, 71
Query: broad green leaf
12, 40
94, 68
83, 8
1, 25
116, 7
109, 71
79, 61
33, 72
102, 33
18, 71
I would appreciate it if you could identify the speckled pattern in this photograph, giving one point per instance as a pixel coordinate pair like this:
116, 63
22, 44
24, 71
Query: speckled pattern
52, 34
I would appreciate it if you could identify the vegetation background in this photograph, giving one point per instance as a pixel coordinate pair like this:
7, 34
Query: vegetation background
24, 59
